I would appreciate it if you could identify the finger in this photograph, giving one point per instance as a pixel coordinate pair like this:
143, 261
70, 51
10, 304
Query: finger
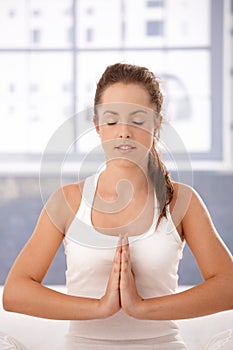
125, 273
125, 243
117, 256
124, 260
119, 245
126, 250
116, 269
125, 263
117, 259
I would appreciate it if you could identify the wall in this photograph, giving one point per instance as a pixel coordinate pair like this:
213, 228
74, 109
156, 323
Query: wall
20, 205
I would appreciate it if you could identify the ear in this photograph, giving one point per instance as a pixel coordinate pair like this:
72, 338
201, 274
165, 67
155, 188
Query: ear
95, 121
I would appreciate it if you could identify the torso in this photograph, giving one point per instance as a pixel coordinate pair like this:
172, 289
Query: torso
154, 255
132, 216
112, 218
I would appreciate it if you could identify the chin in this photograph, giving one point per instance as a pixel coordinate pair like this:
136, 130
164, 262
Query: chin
129, 162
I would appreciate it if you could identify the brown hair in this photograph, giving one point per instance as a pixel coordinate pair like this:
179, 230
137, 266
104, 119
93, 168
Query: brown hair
128, 73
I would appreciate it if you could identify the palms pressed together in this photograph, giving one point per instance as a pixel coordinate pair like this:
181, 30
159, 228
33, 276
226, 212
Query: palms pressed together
121, 291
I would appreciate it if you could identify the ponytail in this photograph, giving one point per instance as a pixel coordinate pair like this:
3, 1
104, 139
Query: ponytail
162, 182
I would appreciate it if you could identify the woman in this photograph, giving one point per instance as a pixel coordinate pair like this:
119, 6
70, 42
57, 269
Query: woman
123, 230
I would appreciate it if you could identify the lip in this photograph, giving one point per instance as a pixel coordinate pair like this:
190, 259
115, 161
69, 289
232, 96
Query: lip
125, 148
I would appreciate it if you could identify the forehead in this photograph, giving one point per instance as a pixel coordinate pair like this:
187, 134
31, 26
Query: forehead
123, 109
127, 93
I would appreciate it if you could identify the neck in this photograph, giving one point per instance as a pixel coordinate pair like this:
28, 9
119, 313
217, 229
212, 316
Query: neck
128, 176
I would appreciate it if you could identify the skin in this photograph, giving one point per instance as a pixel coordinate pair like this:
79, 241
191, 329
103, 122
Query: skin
24, 287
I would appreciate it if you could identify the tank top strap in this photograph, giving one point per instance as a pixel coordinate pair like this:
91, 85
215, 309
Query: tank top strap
88, 194
89, 189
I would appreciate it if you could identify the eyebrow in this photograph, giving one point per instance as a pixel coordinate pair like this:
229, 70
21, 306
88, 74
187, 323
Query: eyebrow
138, 111
111, 112
132, 113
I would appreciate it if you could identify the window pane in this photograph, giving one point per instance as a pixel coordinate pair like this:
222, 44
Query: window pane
53, 22
99, 23
33, 100
154, 3
13, 26
185, 23
188, 23
13, 99
35, 23
154, 28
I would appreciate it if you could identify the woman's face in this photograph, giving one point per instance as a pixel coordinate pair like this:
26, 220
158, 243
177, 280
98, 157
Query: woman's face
126, 122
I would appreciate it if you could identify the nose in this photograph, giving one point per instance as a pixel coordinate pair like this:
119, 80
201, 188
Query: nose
124, 131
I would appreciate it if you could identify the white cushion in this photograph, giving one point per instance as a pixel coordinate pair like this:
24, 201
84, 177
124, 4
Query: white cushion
9, 343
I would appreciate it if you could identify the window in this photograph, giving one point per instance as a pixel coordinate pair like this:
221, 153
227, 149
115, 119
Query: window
68, 11
36, 36
154, 28
89, 35
36, 13
67, 87
11, 88
89, 11
70, 35
34, 88
154, 3
11, 13
41, 84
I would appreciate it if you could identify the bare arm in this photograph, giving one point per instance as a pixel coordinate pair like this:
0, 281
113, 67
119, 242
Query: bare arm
24, 292
215, 294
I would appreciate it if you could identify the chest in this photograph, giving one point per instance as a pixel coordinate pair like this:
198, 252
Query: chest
154, 259
134, 216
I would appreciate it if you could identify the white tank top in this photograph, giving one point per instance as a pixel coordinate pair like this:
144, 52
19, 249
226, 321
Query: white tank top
155, 256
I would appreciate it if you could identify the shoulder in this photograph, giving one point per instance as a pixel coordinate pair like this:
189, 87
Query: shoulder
72, 194
181, 196
191, 211
186, 196
186, 205
63, 204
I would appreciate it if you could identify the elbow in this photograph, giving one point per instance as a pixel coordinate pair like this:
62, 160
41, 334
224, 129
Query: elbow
228, 287
8, 300
16, 295
231, 297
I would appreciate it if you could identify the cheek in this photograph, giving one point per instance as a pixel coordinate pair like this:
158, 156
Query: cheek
146, 137
105, 133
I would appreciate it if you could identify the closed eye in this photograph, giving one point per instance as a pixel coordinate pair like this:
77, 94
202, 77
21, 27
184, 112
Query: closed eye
137, 123
111, 123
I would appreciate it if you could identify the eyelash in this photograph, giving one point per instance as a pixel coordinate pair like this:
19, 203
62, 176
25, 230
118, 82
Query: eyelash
111, 123
138, 123
134, 122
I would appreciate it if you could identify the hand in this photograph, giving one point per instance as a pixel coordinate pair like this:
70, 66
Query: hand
109, 304
131, 301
